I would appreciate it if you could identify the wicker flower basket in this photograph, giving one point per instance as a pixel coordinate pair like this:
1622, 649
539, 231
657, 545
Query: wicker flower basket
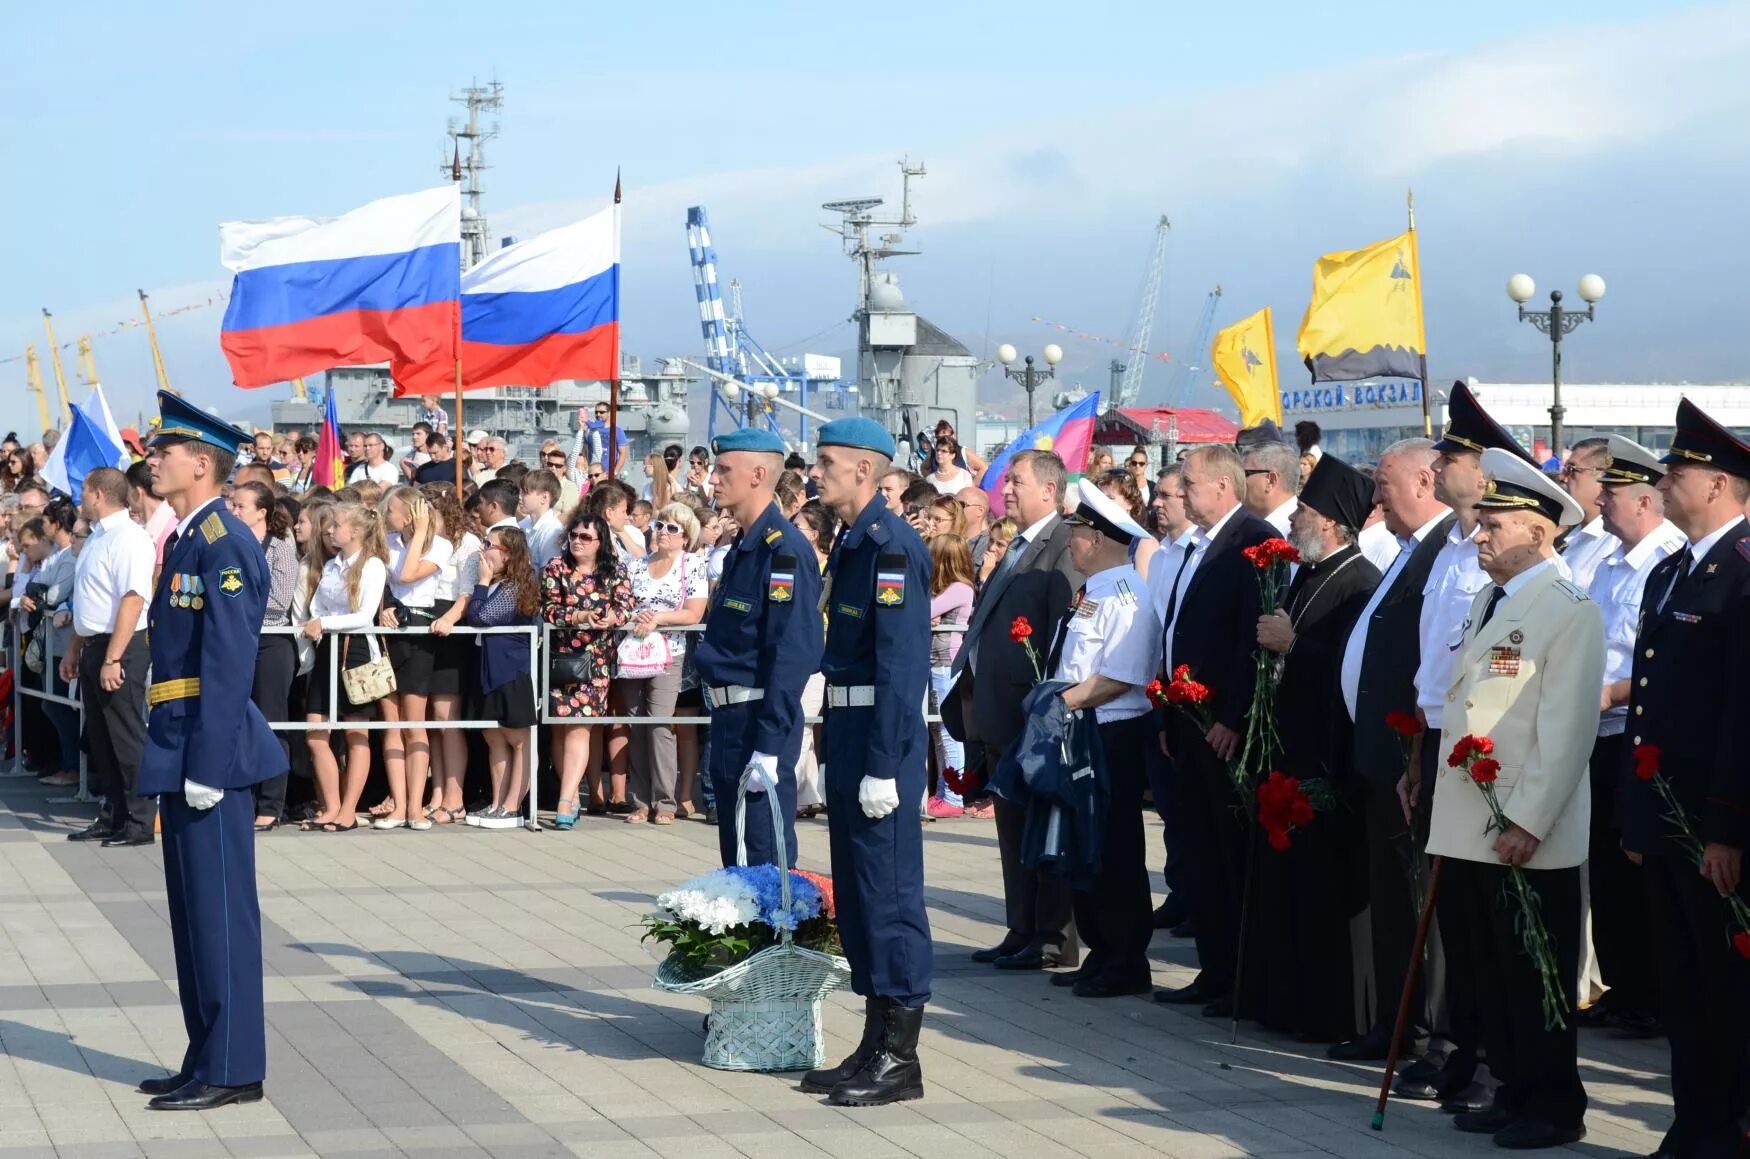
765, 1009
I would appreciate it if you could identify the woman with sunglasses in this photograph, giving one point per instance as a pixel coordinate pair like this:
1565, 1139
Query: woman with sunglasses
669, 590
585, 596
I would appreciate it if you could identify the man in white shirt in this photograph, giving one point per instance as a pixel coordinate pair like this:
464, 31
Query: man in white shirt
112, 584
1178, 538
1591, 543
1634, 514
539, 521
1272, 482
378, 468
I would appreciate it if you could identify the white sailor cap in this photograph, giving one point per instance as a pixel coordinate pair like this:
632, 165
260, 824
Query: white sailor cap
1096, 509
1516, 485
1631, 463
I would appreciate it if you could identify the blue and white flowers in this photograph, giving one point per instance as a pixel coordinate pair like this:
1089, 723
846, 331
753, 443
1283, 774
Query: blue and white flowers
722, 916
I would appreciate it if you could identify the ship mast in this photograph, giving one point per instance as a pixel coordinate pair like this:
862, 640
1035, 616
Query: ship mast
488, 98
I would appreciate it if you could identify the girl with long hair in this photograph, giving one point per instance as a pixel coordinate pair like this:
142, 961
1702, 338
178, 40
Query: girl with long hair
456, 659
1120, 485
276, 656
660, 489
417, 554
347, 595
508, 593
586, 597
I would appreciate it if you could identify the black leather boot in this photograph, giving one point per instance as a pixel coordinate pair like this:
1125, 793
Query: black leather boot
822, 1081
893, 1074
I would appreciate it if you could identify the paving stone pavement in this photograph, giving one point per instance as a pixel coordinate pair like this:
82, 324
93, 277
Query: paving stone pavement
464, 992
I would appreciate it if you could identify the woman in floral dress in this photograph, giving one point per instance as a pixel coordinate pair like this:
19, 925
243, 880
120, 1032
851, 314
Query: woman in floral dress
586, 596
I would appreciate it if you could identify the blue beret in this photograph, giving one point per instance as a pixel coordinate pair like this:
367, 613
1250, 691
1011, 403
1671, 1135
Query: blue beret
861, 433
180, 419
749, 439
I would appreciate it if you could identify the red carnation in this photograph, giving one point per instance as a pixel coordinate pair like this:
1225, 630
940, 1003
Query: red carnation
1482, 745
1182, 672
1278, 839
1647, 761
1020, 629
1484, 771
1156, 692
1741, 942
1402, 723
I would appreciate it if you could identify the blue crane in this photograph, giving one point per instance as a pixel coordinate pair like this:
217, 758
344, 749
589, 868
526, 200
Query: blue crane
1192, 368
745, 380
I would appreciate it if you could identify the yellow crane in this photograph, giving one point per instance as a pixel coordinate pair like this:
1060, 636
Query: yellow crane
299, 392
152, 335
87, 367
33, 382
55, 357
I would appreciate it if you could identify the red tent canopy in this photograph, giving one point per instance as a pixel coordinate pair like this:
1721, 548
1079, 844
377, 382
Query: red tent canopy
1158, 424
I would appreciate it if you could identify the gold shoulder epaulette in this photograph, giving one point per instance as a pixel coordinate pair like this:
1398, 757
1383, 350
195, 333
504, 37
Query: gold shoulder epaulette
213, 528
773, 536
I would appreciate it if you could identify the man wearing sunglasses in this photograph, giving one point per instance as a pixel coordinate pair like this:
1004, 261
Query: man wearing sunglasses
596, 434
762, 642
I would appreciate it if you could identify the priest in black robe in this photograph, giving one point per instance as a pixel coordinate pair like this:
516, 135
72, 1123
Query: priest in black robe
1298, 971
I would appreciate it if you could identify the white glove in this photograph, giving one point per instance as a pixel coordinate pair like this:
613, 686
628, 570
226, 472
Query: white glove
761, 773
201, 796
879, 796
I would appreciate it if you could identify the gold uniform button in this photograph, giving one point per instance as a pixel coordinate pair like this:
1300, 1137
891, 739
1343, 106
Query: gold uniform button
1649, 653
1470, 704
1637, 740
1639, 708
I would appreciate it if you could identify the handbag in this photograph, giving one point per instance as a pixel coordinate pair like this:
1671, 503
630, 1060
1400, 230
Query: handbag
369, 682
644, 657
571, 668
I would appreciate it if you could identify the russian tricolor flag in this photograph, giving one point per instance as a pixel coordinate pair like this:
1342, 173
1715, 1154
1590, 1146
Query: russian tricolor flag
382, 283
545, 309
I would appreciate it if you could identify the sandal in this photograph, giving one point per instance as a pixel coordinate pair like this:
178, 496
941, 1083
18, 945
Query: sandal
563, 819
383, 808
637, 816
662, 819
684, 813
337, 827
441, 816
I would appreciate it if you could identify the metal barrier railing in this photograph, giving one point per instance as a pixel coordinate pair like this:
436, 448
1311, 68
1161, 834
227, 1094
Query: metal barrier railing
15, 662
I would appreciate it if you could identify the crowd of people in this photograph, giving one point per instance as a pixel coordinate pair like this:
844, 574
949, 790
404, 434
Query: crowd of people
1450, 589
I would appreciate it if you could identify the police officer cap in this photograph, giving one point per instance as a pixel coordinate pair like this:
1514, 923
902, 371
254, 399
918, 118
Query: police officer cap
1516, 485
1096, 509
182, 421
1469, 427
861, 433
749, 439
1338, 491
1631, 463
1699, 439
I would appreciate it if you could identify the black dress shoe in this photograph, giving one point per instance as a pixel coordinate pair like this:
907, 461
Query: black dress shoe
163, 1086
1169, 913
1031, 958
1637, 1025
1009, 945
198, 1096
1594, 1017
1367, 1048
1071, 977
1185, 929
1471, 1097
1422, 1070
1193, 995
1532, 1135
96, 831
1105, 985
125, 839
1483, 1122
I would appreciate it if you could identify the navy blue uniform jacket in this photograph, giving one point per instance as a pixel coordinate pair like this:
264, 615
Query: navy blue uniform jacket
204, 624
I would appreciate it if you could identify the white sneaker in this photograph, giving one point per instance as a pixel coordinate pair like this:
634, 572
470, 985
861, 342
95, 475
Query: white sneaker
501, 820
477, 819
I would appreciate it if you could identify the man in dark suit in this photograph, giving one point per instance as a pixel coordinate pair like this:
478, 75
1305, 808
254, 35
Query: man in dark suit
1211, 624
992, 674
1687, 694
1378, 676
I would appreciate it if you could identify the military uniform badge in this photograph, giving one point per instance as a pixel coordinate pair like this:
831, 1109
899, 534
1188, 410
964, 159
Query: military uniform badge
1503, 661
890, 580
231, 580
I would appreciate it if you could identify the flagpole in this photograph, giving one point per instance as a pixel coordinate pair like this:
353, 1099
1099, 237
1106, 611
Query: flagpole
612, 448
1421, 322
456, 435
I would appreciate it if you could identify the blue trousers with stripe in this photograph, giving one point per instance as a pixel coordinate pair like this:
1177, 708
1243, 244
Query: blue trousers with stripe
215, 923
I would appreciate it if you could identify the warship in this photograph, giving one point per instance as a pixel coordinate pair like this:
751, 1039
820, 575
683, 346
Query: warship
909, 372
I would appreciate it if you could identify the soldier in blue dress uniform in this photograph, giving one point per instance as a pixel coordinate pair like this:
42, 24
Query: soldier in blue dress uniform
206, 744
761, 643
877, 668
1687, 692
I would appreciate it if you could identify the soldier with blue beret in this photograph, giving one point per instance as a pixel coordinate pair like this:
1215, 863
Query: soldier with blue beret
761, 643
206, 745
877, 669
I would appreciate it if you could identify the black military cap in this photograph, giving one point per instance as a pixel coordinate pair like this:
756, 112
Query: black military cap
1469, 427
1699, 439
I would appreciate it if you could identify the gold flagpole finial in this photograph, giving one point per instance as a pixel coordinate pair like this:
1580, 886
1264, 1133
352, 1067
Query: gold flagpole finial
1410, 201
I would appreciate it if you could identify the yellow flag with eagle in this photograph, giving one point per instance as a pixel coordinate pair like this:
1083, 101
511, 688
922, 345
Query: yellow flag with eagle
1244, 358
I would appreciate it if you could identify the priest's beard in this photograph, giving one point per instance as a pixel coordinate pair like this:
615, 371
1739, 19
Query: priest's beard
1311, 547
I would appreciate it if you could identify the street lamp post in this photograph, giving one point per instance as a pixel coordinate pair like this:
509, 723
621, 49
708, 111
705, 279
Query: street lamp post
1029, 376
1557, 323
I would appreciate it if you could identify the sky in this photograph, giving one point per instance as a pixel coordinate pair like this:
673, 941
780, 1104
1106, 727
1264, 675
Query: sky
1556, 140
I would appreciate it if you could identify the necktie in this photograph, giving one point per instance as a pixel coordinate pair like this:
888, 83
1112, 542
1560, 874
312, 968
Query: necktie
1685, 560
1011, 557
1495, 597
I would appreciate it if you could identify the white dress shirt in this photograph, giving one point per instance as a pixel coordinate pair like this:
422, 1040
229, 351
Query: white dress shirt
1113, 634
1356, 648
116, 562
330, 604
1699, 549
1164, 569
1617, 587
1279, 518
421, 593
545, 536
1195, 553
1453, 584
1378, 544
1586, 549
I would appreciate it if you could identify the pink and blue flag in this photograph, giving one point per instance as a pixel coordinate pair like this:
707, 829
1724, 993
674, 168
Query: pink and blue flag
545, 309
379, 284
1069, 434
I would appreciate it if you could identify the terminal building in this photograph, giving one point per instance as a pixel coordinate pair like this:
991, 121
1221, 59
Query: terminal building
1361, 419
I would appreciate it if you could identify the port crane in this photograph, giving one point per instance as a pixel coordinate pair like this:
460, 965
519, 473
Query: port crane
1127, 374
33, 382
1192, 368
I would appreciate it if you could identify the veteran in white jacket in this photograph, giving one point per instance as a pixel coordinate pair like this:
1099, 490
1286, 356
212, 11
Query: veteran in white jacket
1529, 665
